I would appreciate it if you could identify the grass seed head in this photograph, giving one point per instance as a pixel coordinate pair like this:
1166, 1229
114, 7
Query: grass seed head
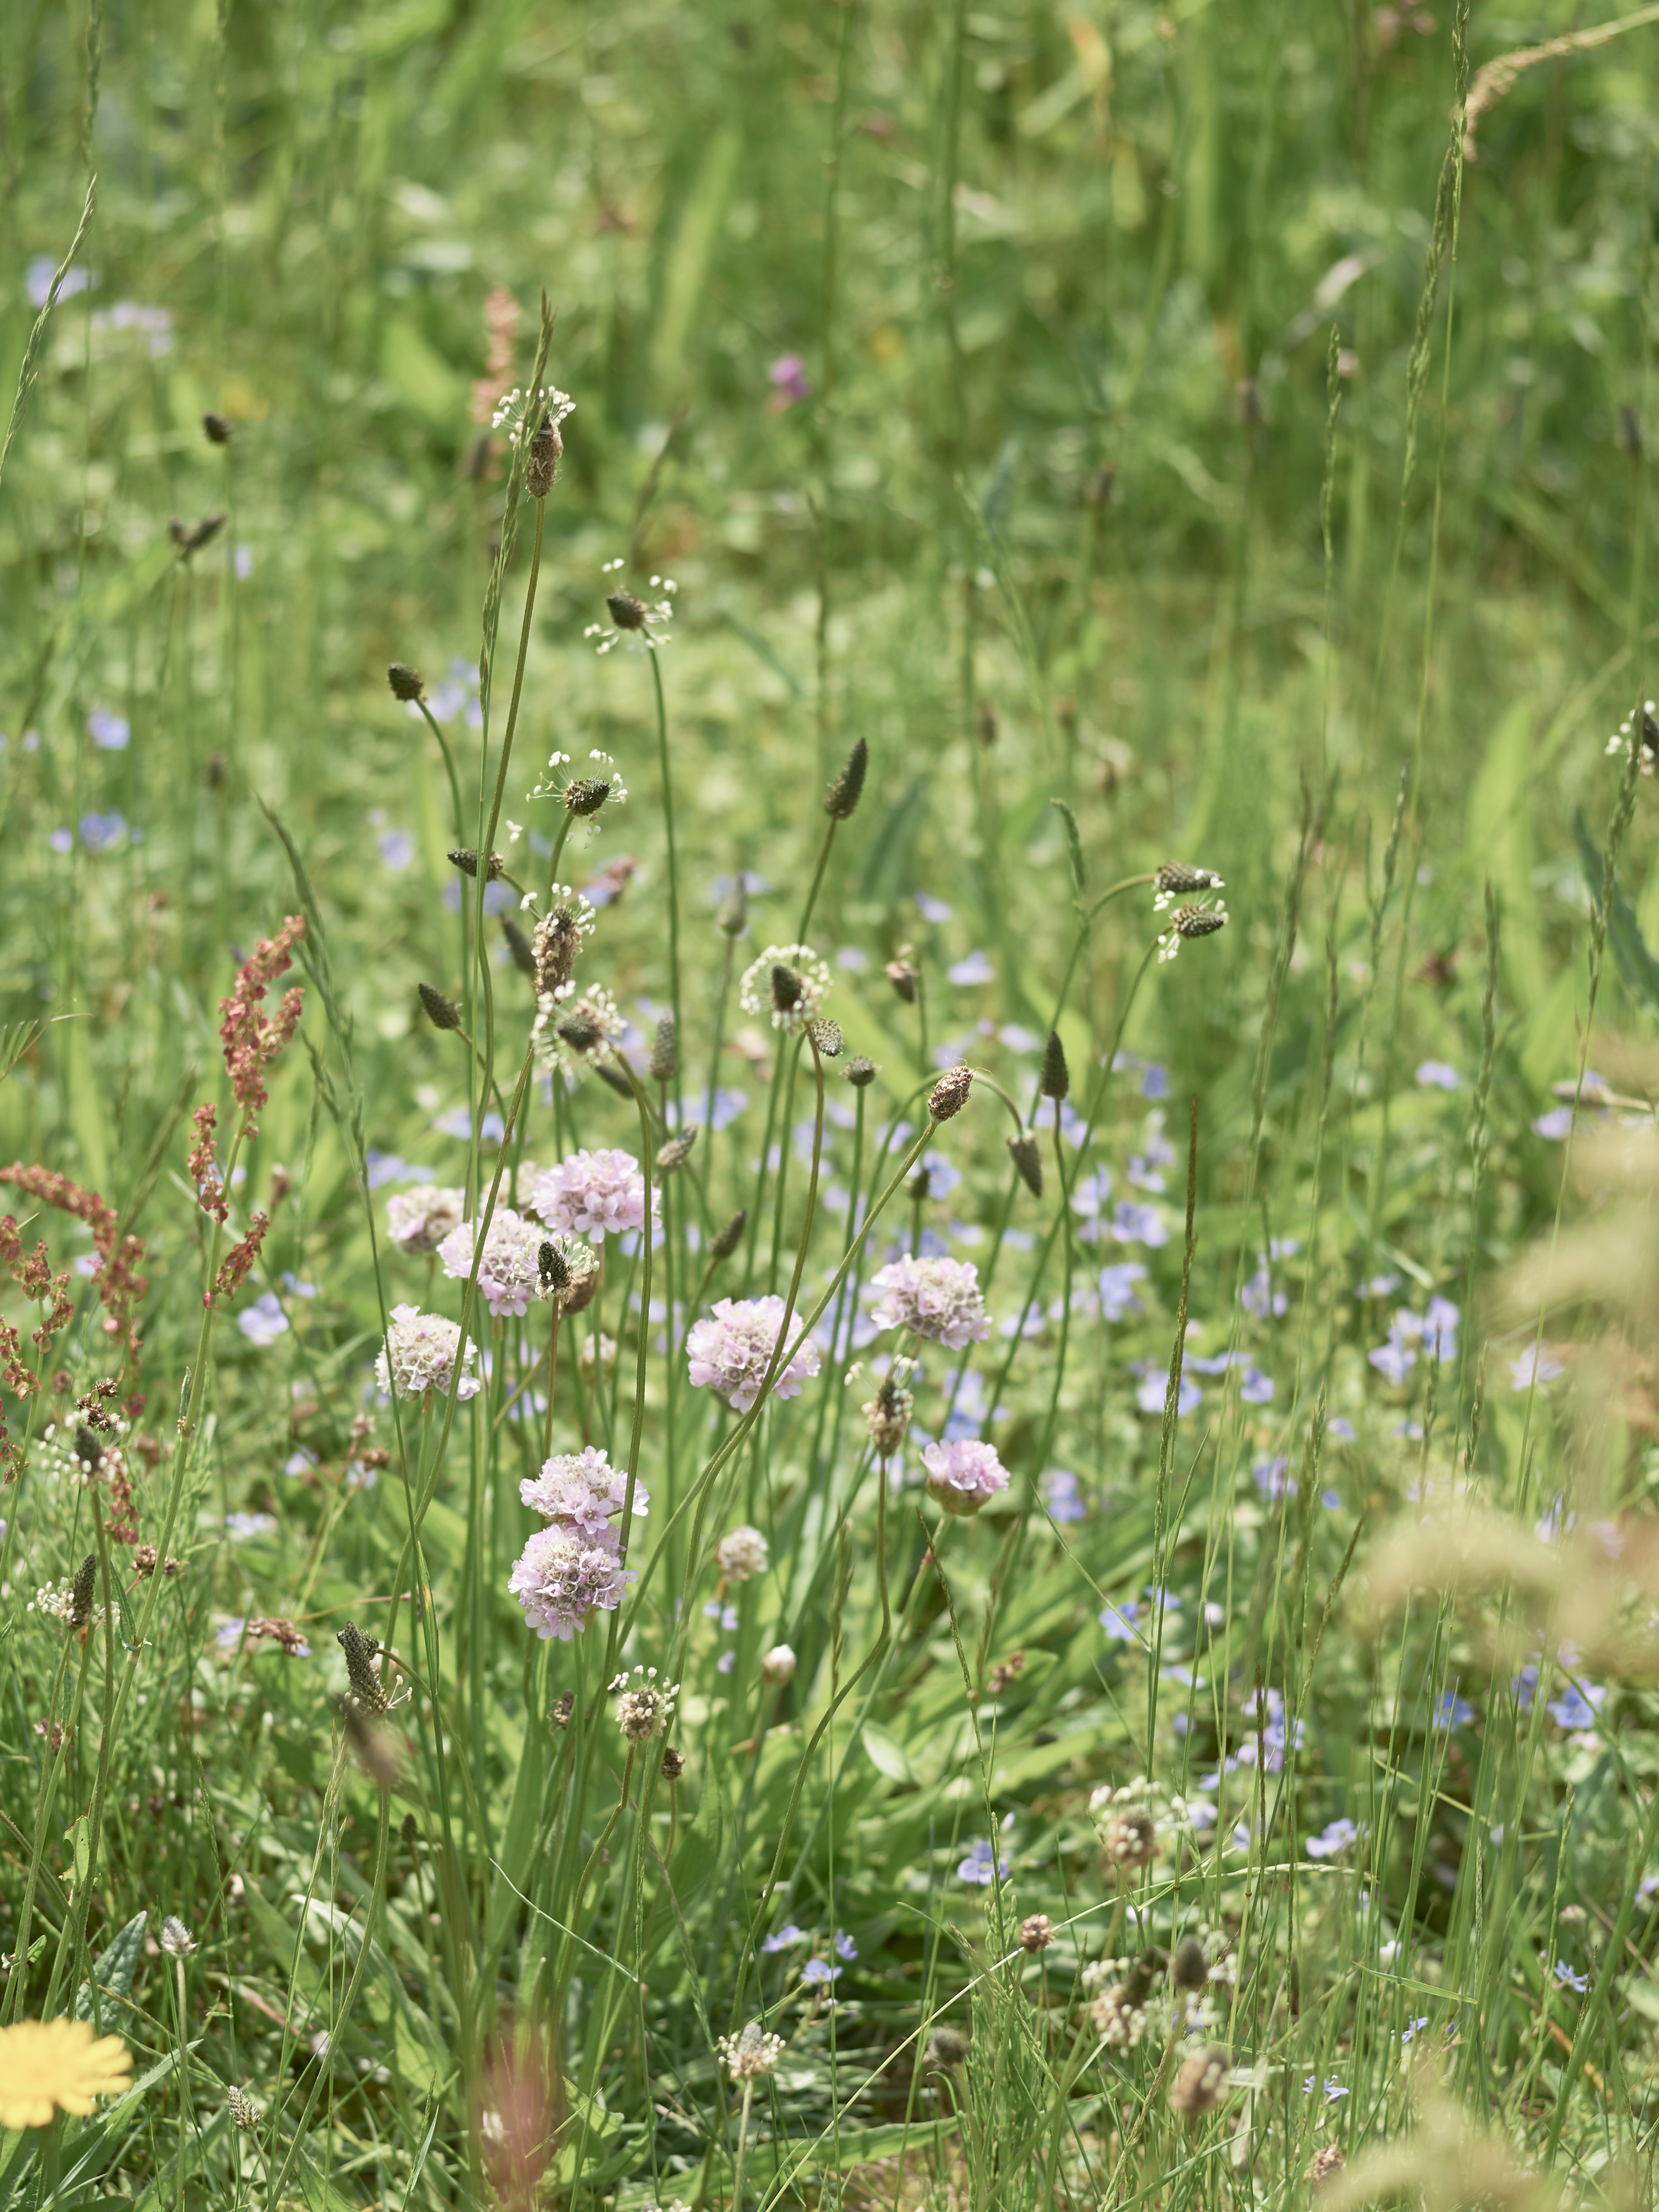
360, 1651
664, 1061
724, 1241
1055, 1079
84, 1588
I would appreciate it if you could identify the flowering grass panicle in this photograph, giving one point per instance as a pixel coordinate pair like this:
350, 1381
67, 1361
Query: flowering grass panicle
418, 1220
730, 1351
419, 1355
787, 984
938, 1299
251, 1040
509, 1267
595, 1193
963, 1473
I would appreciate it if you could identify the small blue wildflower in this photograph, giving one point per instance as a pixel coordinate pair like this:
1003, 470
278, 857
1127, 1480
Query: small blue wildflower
1436, 1075
783, 1937
1451, 1711
1333, 1840
1117, 1296
239, 1525
1555, 1125
1138, 1225
1576, 1708
1407, 2033
100, 831
1257, 1388
820, 1973
1154, 1081
1155, 1388
397, 850
1059, 1493
263, 1321
1340, 1426
1568, 1979
111, 733
1271, 1477
1119, 1621
1393, 1359
975, 967
845, 1946
982, 1864
230, 1635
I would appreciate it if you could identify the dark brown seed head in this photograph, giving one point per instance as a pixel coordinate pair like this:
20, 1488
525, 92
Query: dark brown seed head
1055, 1079
1026, 1154
360, 1650
443, 1013
466, 860
585, 794
409, 1829
88, 1447
518, 945
786, 987
987, 723
1036, 1934
551, 1268
1197, 922
542, 463
566, 1705
844, 794
84, 1586
215, 428
673, 1766
191, 536
1190, 1965
724, 1241
406, 683
887, 1417
1178, 876
861, 1072
626, 611
214, 770
949, 1094
580, 1031
665, 1052
827, 1037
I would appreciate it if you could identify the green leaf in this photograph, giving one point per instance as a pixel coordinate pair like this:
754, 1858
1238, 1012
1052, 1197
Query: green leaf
113, 1969
887, 1754
1635, 964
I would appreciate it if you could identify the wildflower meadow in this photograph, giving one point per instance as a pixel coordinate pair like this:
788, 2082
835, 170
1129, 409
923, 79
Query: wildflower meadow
828, 1052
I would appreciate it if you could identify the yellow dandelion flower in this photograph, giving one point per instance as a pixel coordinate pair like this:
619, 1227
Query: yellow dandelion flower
58, 2063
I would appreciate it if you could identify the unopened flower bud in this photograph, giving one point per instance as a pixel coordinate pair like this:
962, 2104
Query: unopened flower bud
903, 975
724, 1241
676, 1152
1055, 1079
946, 2047
664, 1061
443, 1013
845, 792
1026, 1154
542, 462
949, 1094
732, 919
1036, 1934
861, 1072
777, 1665
406, 683
524, 958
466, 860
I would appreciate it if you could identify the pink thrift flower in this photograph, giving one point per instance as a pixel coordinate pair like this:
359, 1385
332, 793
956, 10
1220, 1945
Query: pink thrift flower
509, 1273
732, 1349
592, 1192
790, 381
936, 1298
961, 1476
562, 1579
581, 1489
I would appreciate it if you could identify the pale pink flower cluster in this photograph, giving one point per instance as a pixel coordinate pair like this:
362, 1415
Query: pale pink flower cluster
509, 1273
732, 1349
585, 1490
573, 1568
592, 1193
961, 1476
418, 1220
936, 1298
563, 1578
419, 1355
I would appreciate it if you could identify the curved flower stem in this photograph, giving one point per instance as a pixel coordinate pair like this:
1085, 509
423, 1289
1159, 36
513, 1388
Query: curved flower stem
818, 880
644, 1106
458, 829
743, 2144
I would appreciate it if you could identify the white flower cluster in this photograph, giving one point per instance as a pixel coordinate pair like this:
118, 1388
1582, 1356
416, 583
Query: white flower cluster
572, 1033
809, 981
1623, 738
418, 1220
419, 1355
751, 2054
521, 407
644, 1709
